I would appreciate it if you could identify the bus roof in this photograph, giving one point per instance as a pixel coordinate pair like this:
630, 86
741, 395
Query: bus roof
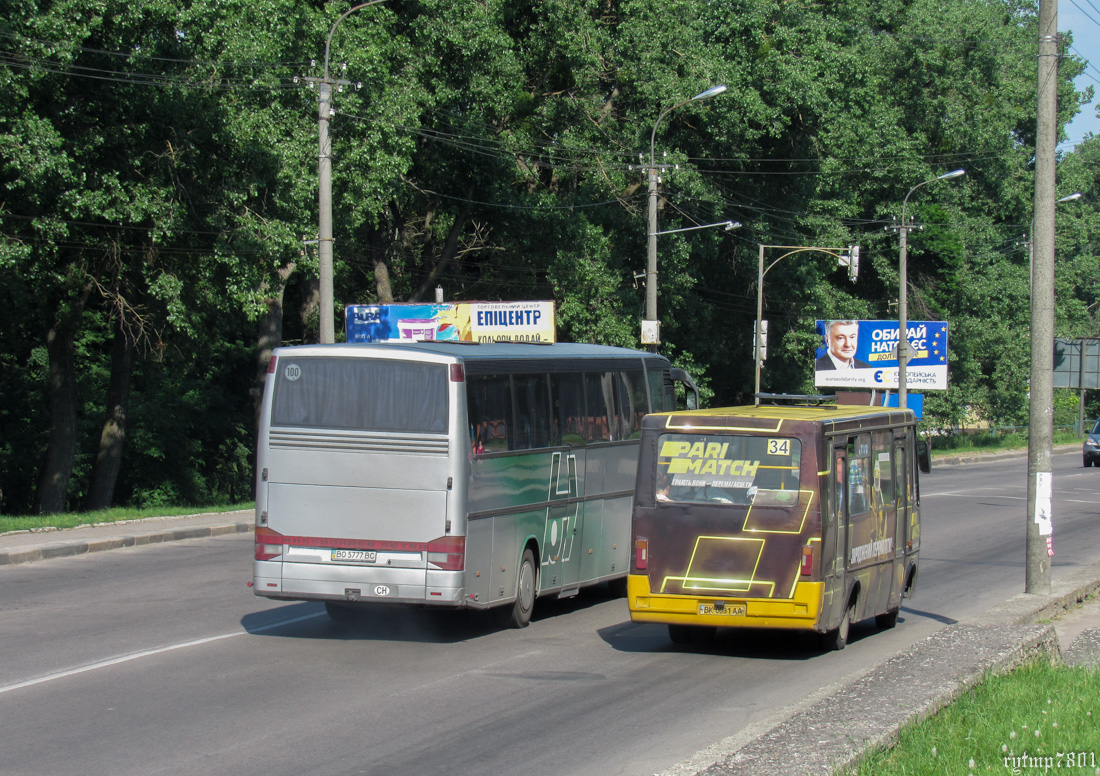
766, 416
463, 351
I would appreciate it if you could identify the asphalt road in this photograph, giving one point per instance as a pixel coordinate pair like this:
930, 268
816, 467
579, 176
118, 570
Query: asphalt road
159, 659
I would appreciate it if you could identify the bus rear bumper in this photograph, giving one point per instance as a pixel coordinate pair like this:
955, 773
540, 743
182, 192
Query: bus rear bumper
328, 582
800, 612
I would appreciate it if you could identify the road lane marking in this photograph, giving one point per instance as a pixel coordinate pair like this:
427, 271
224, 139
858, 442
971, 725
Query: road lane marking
972, 495
114, 661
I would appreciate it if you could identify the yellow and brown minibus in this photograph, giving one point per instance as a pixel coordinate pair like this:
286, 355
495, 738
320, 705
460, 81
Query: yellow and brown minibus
801, 516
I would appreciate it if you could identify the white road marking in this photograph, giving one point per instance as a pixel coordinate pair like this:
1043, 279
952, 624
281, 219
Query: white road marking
114, 661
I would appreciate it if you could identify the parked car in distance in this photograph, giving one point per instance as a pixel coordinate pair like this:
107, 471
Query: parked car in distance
1091, 450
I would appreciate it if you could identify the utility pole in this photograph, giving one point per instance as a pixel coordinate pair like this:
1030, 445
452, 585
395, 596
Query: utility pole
651, 326
324, 177
324, 220
1039, 541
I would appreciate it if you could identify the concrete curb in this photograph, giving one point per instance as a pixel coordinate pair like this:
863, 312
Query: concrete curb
948, 459
69, 548
843, 723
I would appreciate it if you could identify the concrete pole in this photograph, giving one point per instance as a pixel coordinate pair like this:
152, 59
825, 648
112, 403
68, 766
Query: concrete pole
324, 221
759, 320
651, 221
324, 178
651, 249
1039, 545
903, 311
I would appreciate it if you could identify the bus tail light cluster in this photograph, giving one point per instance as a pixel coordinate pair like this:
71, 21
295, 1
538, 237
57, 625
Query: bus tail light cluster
448, 553
641, 554
807, 566
268, 543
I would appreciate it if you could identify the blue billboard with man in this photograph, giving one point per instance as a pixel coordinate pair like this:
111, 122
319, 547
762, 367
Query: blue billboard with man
863, 354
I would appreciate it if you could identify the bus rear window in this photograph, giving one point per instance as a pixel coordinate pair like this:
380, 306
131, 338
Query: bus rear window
728, 469
361, 394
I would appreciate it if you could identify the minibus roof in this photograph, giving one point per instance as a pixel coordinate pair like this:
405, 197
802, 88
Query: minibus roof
765, 416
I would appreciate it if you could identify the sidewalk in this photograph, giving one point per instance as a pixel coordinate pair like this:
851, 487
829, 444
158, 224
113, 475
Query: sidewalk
36, 545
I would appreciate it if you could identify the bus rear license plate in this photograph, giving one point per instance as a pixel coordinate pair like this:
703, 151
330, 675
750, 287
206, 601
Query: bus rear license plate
732, 610
359, 556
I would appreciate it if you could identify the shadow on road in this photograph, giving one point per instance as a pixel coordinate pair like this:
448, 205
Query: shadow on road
752, 643
390, 622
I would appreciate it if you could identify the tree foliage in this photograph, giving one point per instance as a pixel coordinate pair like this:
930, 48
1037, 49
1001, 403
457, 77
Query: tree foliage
159, 165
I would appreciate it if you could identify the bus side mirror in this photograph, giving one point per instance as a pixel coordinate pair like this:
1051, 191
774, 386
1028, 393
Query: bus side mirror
924, 456
691, 391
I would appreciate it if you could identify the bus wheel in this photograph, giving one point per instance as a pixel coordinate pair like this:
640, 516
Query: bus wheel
691, 634
339, 612
837, 638
680, 634
518, 615
888, 620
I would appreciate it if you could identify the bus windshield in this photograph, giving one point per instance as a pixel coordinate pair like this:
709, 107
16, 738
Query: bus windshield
727, 469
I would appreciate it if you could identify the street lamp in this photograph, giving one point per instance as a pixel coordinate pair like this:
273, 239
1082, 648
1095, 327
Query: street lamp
651, 257
903, 323
324, 196
1031, 235
846, 257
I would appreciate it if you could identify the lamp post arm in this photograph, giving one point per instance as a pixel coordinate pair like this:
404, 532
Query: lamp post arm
760, 273
729, 225
344, 15
653, 134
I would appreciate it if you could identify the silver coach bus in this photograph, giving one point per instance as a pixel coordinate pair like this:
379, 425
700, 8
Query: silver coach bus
451, 474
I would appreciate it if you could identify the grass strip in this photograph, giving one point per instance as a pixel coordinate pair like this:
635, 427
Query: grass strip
1038, 719
75, 519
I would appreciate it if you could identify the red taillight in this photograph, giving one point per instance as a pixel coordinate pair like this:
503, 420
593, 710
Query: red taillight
268, 544
807, 561
271, 365
448, 553
458, 373
641, 554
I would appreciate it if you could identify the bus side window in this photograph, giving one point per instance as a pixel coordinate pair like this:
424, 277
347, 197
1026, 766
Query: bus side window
568, 414
657, 393
839, 484
532, 430
633, 404
489, 400
857, 486
882, 468
600, 398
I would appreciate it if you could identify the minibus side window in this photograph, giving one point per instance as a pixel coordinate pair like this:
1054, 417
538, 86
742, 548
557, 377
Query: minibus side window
859, 481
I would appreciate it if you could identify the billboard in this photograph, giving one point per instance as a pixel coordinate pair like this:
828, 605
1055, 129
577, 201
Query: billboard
863, 354
458, 321
1077, 362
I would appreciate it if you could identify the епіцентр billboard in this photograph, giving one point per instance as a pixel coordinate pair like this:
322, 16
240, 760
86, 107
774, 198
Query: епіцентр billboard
466, 321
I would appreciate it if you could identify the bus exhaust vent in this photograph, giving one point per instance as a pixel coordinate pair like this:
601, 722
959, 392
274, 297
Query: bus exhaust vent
352, 442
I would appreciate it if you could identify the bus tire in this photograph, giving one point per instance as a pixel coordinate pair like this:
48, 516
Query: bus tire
679, 634
887, 620
691, 634
836, 639
339, 612
518, 615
